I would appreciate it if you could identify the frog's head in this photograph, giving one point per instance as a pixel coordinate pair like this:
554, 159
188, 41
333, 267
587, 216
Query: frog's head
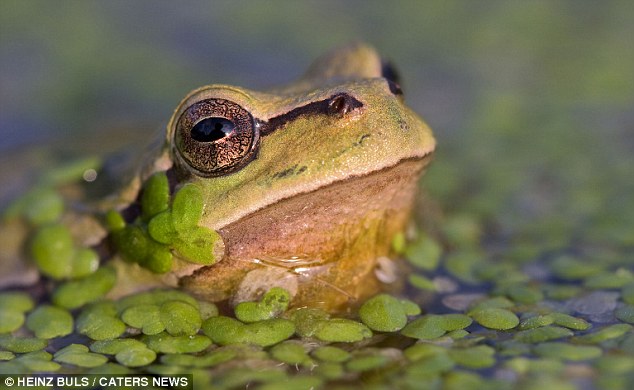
320, 173
345, 118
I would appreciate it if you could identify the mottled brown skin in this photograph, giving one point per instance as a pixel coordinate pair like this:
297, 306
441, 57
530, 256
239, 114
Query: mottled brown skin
370, 210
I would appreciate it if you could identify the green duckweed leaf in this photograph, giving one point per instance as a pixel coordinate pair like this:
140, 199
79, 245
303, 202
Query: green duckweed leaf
6, 355
135, 357
48, 322
565, 351
331, 354
424, 253
426, 328
99, 322
16, 300
53, 251
383, 313
11, 320
291, 352
196, 245
42, 205
77, 293
85, 262
625, 313
79, 355
273, 303
480, 356
541, 334
146, 317
187, 207
569, 321
225, 330
161, 228
164, 343
495, 318
38, 361
180, 318
306, 320
114, 221
366, 363
156, 195
21, 345
341, 330
113, 347
605, 333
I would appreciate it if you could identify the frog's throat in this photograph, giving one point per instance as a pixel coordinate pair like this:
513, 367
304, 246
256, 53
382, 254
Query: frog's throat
348, 224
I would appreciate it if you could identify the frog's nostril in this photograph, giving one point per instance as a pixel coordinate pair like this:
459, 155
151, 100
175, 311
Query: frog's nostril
212, 129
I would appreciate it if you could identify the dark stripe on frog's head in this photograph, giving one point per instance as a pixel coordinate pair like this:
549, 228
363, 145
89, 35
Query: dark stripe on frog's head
392, 76
336, 105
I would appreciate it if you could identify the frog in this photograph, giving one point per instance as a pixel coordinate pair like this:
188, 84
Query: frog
303, 186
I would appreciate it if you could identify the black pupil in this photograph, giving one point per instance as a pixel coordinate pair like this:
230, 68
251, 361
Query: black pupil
212, 129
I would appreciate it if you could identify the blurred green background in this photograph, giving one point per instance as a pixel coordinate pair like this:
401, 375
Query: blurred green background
531, 101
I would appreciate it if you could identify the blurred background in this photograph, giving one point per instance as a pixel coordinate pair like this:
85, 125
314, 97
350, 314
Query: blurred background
531, 102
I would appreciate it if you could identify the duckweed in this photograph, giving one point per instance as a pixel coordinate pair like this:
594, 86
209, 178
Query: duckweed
74, 294
22, 344
180, 318
6, 355
273, 303
426, 328
625, 313
558, 350
603, 334
11, 320
210, 359
52, 248
331, 354
421, 282
569, 321
306, 320
433, 326
113, 347
291, 352
366, 363
541, 334
495, 318
79, 355
341, 330
383, 313
178, 227
536, 322
135, 357
424, 253
165, 343
156, 196
480, 356
40, 206
13, 305
225, 330
49, 322
146, 317
16, 300
38, 361
99, 321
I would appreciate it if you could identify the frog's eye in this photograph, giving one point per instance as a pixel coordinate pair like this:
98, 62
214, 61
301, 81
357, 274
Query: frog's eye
215, 137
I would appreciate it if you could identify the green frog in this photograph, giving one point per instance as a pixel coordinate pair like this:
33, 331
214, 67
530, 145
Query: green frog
303, 187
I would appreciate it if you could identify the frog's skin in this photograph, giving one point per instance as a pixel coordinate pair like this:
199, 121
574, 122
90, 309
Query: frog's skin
308, 191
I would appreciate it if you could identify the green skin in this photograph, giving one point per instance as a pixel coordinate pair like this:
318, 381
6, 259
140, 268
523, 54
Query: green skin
314, 205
